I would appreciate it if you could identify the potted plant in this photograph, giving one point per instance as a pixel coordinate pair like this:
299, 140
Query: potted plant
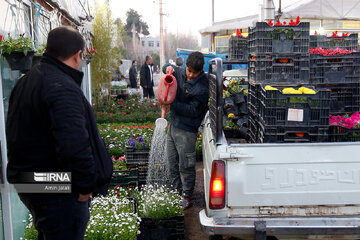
230, 128
38, 54
161, 213
17, 51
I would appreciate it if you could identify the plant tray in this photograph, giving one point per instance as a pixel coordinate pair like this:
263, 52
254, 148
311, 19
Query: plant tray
125, 178
266, 39
137, 156
280, 69
350, 42
292, 134
278, 109
342, 134
162, 229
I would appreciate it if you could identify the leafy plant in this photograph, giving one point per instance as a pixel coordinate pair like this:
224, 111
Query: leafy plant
230, 125
159, 202
20, 44
112, 217
41, 49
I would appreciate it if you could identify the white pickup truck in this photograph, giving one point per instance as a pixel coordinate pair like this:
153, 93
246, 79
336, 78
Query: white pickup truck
277, 191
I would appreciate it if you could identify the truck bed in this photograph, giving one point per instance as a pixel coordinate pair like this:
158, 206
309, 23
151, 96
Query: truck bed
297, 179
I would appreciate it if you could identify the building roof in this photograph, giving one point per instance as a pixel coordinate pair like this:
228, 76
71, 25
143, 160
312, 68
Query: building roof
306, 9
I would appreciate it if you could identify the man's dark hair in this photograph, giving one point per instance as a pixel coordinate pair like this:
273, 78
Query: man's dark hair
179, 61
147, 58
133, 61
195, 61
64, 42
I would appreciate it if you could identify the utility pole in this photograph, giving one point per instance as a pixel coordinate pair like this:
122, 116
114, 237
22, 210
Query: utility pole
212, 23
162, 50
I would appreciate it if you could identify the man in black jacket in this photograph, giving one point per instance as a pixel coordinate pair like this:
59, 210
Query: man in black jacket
186, 115
51, 128
133, 74
146, 78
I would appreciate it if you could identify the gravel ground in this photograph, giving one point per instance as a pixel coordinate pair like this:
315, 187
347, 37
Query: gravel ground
192, 224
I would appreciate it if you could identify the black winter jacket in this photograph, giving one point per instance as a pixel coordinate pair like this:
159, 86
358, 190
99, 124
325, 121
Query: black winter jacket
146, 76
51, 127
133, 76
191, 103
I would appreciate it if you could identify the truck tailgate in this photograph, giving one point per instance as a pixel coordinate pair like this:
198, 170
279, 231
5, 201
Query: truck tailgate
292, 174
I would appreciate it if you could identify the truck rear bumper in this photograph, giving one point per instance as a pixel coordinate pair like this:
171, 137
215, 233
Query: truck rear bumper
280, 225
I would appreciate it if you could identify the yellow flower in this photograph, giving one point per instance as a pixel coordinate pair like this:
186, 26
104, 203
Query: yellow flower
232, 81
231, 115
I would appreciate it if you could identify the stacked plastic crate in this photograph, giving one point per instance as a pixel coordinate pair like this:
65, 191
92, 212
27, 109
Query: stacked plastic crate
238, 48
338, 70
336, 66
279, 56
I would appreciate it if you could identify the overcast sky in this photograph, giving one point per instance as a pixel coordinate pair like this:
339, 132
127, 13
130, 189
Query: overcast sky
186, 16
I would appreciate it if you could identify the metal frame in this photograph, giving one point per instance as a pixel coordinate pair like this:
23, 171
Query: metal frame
216, 99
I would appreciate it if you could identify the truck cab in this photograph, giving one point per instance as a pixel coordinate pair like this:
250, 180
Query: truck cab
276, 191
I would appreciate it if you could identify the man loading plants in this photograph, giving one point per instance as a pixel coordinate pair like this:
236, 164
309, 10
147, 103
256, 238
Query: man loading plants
51, 128
186, 114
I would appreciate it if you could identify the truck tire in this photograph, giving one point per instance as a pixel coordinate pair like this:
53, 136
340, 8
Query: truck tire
215, 237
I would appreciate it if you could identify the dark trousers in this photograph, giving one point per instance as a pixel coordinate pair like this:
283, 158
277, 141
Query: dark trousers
181, 159
58, 217
133, 83
148, 92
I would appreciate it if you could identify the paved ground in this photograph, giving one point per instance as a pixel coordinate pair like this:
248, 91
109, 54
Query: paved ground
192, 225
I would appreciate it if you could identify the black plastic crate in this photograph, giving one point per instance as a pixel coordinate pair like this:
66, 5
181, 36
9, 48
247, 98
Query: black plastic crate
125, 178
343, 134
344, 97
143, 170
136, 156
279, 109
350, 42
266, 39
162, 229
238, 48
292, 134
253, 127
279, 69
334, 69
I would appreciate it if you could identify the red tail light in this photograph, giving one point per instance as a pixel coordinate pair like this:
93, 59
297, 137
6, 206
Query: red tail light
217, 185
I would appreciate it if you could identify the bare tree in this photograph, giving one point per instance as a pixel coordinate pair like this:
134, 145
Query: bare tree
174, 41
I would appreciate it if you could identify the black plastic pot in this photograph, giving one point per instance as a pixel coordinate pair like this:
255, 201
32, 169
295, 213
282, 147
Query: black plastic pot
230, 133
243, 109
239, 97
242, 122
36, 60
233, 110
243, 133
228, 103
18, 60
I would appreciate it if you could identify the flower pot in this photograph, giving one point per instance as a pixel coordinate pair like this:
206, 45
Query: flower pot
239, 97
36, 60
243, 133
230, 133
18, 60
242, 122
243, 109
233, 110
228, 103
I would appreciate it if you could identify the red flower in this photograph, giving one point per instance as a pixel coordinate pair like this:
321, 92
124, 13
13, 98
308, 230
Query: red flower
19, 45
120, 103
1, 37
271, 23
278, 23
110, 114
